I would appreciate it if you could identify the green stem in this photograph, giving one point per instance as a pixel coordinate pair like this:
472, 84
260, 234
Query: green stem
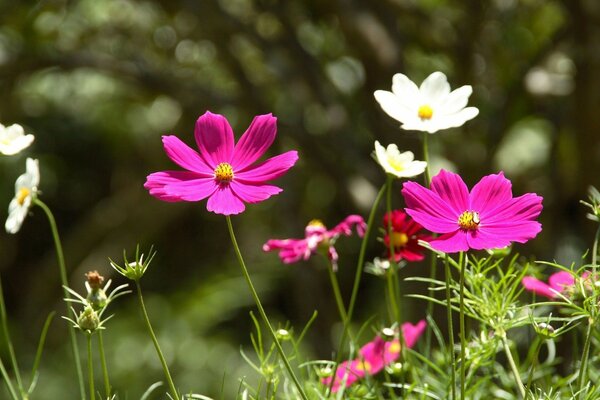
595, 252
6, 333
426, 159
63, 277
391, 276
450, 329
103, 363
7, 381
533, 364
433, 259
155, 341
90, 367
262, 311
337, 293
584, 357
463, 342
513, 366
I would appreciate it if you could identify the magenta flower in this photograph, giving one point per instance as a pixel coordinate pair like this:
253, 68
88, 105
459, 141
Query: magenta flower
558, 282
221, 171
488, 217
316, 237
374, 356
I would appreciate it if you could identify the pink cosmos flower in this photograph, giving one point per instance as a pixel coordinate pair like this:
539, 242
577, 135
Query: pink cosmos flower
557, 283
316, 237
221, 171
374, 356
487, 217
404, 237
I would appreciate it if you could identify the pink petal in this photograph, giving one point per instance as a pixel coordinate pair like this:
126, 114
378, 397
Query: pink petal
559, 280
224, 201
519, 209
451, 242
428, 209
179, 186
345, 227
185, 157
538, 287
412, 333
269, 169
520, 232
290, 250
253, 193
489, 193
255, 141
214, 138
485, 238
452, 190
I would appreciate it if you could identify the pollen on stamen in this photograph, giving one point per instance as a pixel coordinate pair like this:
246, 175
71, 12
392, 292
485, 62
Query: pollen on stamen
22, 195
469, 220
425, 112
224, 172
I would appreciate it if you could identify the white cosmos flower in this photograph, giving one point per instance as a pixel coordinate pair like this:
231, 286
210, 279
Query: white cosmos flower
25, 192
401, 165
428, 108
13, 139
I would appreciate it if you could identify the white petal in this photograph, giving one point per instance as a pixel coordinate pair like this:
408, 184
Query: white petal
434, 88
417, 124
381, 156
16, 216
458, 119
413, 169
406, 91
33, 169
13, 139
455, 101
392, 105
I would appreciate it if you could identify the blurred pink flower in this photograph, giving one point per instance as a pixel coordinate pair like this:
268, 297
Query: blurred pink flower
316, 237
221, 171
487, 217
405, 236
374, 356
557, 283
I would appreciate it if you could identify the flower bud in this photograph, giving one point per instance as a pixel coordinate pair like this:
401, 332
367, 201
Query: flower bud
88, 319
283, 334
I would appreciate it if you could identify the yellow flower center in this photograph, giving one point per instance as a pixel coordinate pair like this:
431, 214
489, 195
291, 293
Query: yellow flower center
316, 223
224, 172
398, 239
469, 220
363, 366
394, 347
425, 112
22, 195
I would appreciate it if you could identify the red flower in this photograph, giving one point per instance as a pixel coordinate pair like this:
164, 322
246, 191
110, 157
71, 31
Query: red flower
405, 236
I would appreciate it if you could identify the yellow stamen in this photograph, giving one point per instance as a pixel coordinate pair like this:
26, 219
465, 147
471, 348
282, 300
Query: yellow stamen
469, 220
22, 195
394, 347
224, 172
363, 366
316, 223
425, 112
398, 239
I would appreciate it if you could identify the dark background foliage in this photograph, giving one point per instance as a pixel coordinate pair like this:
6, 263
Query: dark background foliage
98, 83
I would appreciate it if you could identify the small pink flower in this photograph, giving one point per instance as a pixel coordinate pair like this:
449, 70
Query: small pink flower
316, 237
487, 217
221, 171
558, 282
374, 356
405, 236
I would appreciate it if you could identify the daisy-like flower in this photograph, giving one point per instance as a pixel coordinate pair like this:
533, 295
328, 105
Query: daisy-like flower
400, 165
13, 139
374, 356
487, 217
221, 171
404, 237
25, 192
316, 238
559, 282
430, 107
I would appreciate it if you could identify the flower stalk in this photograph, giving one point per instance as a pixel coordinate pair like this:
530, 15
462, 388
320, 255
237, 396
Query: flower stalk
450, 329
90, 367
104, 366
463, 342
262, 311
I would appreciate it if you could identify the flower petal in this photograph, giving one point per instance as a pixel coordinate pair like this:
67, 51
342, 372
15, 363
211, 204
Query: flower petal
489, 192
452, 242
560, 279
412, 333
538, 287
224, 201
456, 100
513, 212
406, 91
393, 107
255, 141
179, 186
185, 157
452, 190
253, 193
481, 239
269, 169
214, 138
428, 209
434, 88
455, 120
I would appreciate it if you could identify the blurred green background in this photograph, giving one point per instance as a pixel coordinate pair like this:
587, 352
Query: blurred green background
99, 81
